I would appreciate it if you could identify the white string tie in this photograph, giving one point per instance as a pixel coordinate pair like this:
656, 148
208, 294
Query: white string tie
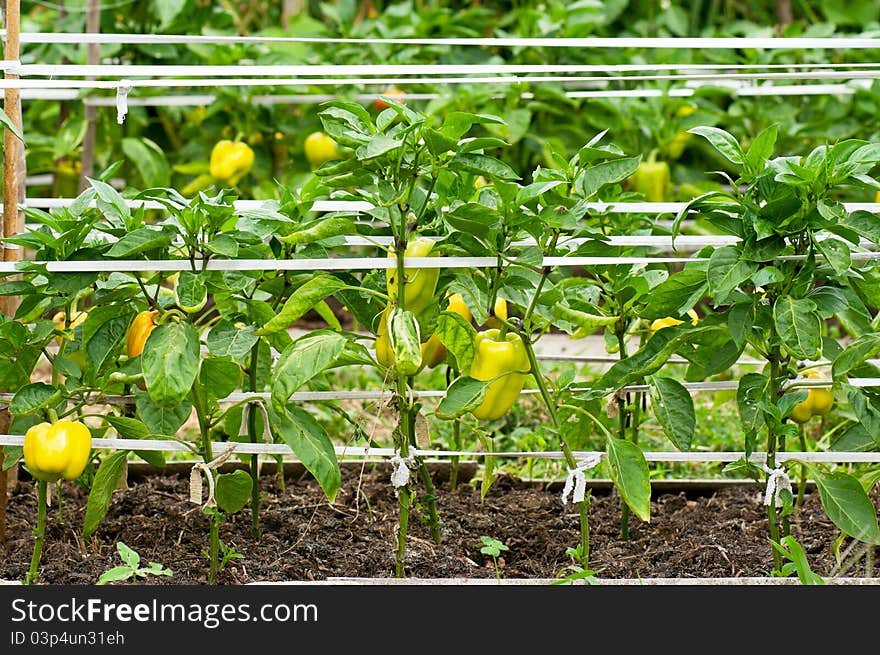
122, 92
400, 472
777, 481
195, 477
576, 481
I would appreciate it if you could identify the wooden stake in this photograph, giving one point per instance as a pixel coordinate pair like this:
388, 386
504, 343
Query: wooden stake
13, 193
93, 26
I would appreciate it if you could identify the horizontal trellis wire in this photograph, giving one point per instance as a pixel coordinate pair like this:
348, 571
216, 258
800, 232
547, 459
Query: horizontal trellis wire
171, 445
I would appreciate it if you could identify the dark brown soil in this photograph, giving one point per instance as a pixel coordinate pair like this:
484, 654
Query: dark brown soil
719, 534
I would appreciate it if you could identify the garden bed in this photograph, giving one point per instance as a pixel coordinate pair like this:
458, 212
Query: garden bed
699, 530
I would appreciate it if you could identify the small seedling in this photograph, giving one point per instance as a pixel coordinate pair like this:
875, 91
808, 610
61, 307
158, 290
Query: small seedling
227, 554
494, 548
790, 549
132, 569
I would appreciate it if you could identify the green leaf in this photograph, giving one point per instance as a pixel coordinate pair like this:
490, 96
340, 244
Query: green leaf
675, 295
610, 172
139, 241
149, 160
219, 377
127, 555
457, 334
161, 420
847, 505
378, 145
105, 481
799, 327
167, 11
132, 428
836, 253
32, 397
865, 224
463, 395
326, 228
674, 409
228, 340
726, 271
11, 456
855, 354
233, 490
629, 471
305, 358
6, 122
191, 293
170, 362
484, 165
301, 301
308, 440
722, 141
749, 395
761, 149
474, 218
792, 550
103, 333
116, 574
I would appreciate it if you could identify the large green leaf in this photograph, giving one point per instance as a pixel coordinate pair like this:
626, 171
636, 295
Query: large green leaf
302, 360
674, 408
457, 334
308, 440
301, 301
149, 160
609, 172
104, 332
629, 471
676, 294
32, 397
749, 395
798, 326
106, 479
170, 362
847, 505
233, 490
132, 428
484, 165
462, 396
141, 240
229, 340
855, 354
726, 271
161, 420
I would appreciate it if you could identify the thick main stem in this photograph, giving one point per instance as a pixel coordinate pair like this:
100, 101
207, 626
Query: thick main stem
403, 493
453, 466
584, 505
40, 534
623, 414
208, 455
771, 462
252, 437
802, 481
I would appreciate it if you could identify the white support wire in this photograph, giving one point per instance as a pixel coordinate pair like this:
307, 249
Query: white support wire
383, 395
623, 43
242, 448
358, 206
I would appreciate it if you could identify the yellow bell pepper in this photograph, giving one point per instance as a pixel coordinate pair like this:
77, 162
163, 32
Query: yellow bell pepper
138, 331
320, 148
496, 356
57, 450
674, 148
819, 401
652, 179
500, 309
61, 319
420, 283
231, 161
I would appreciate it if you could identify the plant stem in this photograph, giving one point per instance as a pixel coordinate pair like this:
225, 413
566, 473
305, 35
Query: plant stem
802, 482
252, 437
771, 459
431, 500
40, 534
584, 505
453, 466
208, 455
624, 420
405, 412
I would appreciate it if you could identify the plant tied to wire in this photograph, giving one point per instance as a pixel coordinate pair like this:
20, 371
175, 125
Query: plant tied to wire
796, 265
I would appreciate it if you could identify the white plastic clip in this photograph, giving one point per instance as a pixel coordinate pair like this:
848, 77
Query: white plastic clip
122, 92
576, 481
777, 480
400, 472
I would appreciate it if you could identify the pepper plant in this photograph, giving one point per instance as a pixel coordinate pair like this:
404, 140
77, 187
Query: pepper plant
798, 263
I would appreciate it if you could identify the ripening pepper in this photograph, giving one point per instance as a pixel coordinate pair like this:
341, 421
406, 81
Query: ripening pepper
139, 330
57, 450
421, 283
319, 148
500, 310
499, 356
674, 148
231, 161
669, 321
61, 319
818, 403
652, 180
